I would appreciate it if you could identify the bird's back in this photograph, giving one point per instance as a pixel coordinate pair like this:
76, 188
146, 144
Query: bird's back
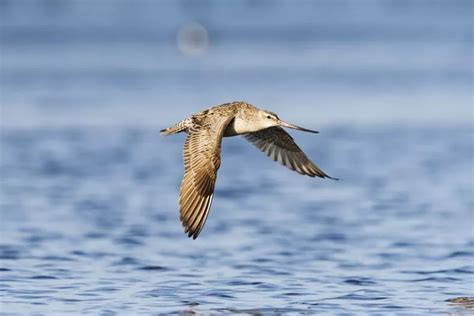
209, 117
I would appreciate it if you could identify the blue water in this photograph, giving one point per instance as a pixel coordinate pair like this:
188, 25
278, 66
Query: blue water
89, 190
90, 225
118, 62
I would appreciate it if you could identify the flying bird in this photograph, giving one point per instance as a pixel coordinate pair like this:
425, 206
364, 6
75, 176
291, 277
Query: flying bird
202, 152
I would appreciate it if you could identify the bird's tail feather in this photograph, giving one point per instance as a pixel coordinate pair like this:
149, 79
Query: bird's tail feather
176, 128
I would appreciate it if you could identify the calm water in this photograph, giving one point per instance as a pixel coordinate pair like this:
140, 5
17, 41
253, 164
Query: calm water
88, 189
90, 225
117, 62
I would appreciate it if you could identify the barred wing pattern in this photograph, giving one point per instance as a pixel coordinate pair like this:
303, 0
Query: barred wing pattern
201, 153
281, 147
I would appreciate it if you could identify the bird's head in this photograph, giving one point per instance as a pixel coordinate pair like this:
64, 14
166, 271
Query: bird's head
268, 119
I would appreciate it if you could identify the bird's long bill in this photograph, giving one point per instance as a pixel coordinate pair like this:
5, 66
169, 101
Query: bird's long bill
285, 124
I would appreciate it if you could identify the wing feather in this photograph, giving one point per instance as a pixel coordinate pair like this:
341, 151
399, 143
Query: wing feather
280, 146
201, 157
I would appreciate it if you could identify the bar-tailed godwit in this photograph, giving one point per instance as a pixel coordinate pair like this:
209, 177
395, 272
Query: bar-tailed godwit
202, 152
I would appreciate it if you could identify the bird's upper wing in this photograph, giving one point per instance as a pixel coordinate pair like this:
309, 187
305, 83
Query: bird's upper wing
281, 147
202, 151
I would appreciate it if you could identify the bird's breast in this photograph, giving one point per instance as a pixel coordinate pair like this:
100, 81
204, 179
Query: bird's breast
230, 130
237, 126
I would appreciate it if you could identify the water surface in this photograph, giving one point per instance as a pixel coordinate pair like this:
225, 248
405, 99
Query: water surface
88, 189
90, 225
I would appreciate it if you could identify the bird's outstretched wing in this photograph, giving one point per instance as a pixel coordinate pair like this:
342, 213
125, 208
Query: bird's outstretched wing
202, 151
281, 147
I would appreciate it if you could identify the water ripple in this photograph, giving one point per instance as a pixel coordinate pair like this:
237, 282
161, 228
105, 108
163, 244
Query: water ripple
371, 243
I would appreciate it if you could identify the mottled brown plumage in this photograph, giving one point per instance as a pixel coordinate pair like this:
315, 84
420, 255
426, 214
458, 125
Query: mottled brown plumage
202, 150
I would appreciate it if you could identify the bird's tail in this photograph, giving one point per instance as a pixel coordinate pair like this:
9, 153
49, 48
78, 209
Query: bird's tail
177, 128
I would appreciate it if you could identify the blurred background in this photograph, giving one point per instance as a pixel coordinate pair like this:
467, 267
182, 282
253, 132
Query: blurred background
318, 62
89, 189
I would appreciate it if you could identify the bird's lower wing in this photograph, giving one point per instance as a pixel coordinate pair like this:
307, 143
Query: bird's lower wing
201, 161
281, 147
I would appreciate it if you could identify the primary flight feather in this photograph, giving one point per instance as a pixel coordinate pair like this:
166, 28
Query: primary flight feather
202, 151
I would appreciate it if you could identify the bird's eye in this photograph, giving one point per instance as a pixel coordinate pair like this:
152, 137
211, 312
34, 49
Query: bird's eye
269, 117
